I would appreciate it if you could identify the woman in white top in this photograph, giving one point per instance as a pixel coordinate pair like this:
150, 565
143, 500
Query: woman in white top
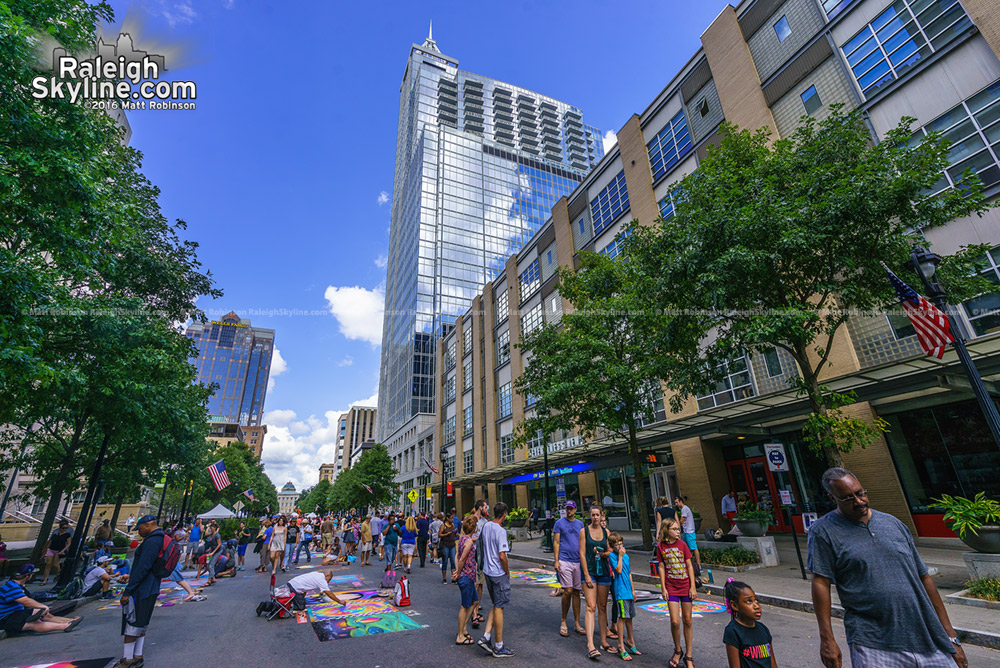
278, 543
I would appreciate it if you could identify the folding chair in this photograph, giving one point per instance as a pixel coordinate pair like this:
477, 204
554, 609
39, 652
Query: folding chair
281, 597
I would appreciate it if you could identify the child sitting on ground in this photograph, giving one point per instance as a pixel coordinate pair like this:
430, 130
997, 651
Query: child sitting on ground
748, 642
624, 596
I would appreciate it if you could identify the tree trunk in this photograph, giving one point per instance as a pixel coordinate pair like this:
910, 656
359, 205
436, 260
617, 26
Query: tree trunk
640, 478
815, 397
114, 516
50, 511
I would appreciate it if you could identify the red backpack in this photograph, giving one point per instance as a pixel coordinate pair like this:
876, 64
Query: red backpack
167, 559
401, 593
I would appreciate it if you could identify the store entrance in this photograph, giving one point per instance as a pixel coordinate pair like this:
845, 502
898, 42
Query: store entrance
750, 478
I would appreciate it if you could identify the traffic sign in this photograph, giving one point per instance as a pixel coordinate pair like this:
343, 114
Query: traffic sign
786, 497
238, 505
412, 496
776, 459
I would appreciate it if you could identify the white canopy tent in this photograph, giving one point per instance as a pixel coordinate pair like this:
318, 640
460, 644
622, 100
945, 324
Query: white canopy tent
220, 512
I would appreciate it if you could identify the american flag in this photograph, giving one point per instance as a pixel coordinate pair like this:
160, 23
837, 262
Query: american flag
368, 488
932, 326
219, 476
249, 494
431, 467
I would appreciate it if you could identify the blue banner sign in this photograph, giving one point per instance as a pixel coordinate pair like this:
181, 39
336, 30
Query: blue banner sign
538, 475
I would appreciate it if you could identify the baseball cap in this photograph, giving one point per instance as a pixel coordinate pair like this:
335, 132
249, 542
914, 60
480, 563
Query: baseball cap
103, 559
146, 518
26, 569
571, 504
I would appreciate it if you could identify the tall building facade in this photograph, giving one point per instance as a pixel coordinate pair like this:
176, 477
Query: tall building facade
357, 426
328, 472
237, 357
479, 163
287, 498
763, 63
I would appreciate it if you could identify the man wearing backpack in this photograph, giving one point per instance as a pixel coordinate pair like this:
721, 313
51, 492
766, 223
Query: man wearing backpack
156, 554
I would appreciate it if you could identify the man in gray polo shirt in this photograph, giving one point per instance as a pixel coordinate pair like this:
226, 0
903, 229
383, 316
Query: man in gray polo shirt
893, 613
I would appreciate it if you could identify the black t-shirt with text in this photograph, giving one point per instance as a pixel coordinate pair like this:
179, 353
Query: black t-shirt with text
292, 535
754, 644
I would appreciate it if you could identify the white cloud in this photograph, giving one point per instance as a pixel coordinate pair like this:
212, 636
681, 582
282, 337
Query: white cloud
294, 449
610, 139
177, 12
278, 367
347, 361
359, 312
383, 197
370, 402
381, 261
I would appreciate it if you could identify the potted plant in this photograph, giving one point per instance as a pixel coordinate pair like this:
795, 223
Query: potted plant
121, 544
976, 520
753, 520
697, 521
518, 517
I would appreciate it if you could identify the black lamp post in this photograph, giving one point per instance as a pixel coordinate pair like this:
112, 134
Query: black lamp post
444, 481
925, 263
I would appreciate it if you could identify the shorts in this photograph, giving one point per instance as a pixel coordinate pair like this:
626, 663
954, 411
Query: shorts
869, 657
604, 581
366, 547
51, 553
327, 539
407, 549
15, 621
468, 589
136, 615
480, 579
499, 590
241, 550
625, 607
175, 575
692, 541
434, 543
679, 599
569, 575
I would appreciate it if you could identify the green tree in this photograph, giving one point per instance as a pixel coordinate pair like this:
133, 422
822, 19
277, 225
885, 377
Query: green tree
774, 245
594, 372
373, 469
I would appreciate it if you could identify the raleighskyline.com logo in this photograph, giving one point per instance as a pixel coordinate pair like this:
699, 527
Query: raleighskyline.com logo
117, 77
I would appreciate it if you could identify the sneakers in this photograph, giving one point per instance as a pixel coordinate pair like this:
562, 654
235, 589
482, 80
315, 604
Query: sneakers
485, 644
506, 651
260, 607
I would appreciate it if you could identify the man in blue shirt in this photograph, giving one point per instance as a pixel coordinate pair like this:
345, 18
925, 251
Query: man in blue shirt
423, 535
139, 597
566, 545
15, 605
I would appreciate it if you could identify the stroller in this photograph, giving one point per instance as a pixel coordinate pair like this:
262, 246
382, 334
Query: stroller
279, 604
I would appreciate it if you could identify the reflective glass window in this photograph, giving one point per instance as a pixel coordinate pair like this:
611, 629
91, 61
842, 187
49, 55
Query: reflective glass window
736, 384
506, 448
781, 29
501, 306
467, 421
531, 320
504, 401
503, 347
529, 281
811, 101
670, 144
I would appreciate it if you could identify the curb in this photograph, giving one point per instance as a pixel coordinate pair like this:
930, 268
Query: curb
969, 636
963, 598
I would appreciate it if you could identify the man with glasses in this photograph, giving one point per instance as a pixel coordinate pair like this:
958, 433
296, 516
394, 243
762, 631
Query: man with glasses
893, 613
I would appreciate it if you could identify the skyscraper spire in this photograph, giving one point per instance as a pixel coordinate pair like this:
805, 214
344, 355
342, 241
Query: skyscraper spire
429, 43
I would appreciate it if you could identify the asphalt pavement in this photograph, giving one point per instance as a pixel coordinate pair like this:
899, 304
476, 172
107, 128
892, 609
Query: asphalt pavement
224, 631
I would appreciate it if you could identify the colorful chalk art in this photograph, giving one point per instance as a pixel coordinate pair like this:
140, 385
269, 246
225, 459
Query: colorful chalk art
365, 613
538, 576
698, 608
167, 597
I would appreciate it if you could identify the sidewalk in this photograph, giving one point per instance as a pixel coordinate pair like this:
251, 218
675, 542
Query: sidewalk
783, 585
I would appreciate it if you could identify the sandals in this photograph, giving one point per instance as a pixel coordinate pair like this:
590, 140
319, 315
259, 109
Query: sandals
73, 624
625, 655
674, 663
633, 650
689, 660
467, 640
594, 654
564, 632
609, 649
579, 629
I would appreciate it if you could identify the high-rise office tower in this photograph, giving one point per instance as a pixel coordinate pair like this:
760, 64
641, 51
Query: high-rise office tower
479, 164
237, 357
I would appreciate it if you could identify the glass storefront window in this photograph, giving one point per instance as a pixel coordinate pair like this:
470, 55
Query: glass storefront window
611, 492
943, 450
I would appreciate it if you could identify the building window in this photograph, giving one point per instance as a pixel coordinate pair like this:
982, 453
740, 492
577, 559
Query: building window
253, 441
668, 147
613, 249
503, 347
449, 390
900, 37
467, 376
582, 225
449, 356
984, 311
529, 281
467, 339
609, 204
506, 449
467, 421
531, 320
974, 132
467, 460
834, 7
449, 431
900, 325
772, 362
448, 466
501, 306
548, 256
781, 29
667, 207
703, 107
811, 101
735, 385
504, 404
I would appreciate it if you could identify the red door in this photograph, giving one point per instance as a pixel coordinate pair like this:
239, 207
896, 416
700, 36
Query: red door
753, 477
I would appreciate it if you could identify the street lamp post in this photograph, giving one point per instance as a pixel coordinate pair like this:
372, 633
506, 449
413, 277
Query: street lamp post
925, 263
547, 541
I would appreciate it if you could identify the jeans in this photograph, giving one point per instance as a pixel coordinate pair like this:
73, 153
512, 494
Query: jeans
422, 549
390, 553
447, 556
289, 551
298, 551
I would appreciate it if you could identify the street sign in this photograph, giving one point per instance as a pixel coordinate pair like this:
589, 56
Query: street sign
428, 492
786, 497
808, 519
776, 459
238, 505
412, 496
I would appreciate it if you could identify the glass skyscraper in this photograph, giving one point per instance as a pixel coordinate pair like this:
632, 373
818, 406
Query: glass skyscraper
479, 165
236, 357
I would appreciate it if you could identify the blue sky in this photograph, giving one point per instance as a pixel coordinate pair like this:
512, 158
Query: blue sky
284, 170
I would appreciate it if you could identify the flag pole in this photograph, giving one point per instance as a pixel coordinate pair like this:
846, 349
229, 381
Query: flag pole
924, 262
